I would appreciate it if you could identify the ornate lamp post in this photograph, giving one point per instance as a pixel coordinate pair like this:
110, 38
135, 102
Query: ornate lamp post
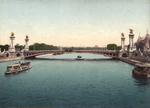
12, 37
26, 45
131, 36
122, 42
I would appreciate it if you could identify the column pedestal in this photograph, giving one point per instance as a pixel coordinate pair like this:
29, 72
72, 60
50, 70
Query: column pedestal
11, 48
131, 43
26, 45
122, 44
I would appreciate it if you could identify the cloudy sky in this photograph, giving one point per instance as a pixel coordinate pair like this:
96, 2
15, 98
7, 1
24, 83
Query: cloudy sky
73, 22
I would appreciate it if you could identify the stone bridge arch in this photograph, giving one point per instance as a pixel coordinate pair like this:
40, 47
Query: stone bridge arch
7, 55
18, 54
124, 55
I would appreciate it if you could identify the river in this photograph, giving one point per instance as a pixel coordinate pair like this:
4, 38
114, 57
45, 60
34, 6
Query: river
73, 84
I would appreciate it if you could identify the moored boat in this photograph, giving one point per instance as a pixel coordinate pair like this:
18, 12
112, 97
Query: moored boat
18, 67
141, 70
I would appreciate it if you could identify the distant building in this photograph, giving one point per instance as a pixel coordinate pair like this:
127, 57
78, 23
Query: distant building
96, 46
143, 43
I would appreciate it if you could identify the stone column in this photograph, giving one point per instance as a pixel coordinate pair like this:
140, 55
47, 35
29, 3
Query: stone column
12, 48
26, 45
131, 43
122, 42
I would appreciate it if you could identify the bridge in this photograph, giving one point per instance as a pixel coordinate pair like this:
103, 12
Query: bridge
129, 52
33, 54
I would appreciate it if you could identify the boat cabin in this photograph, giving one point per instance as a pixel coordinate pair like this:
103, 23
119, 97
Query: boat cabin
25, 64
79, 57
18, 67
13, 67
142, 67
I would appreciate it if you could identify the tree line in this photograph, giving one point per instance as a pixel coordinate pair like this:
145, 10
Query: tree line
19, 47
6, 47
109, 47
113, 47
42, 46
70, 49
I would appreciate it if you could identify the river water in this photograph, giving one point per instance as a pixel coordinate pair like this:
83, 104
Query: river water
74, 84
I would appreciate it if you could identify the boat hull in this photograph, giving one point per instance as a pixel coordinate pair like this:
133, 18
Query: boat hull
138, 74
17, 70
79, 59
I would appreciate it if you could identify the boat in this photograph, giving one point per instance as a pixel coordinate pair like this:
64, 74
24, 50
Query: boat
79, 58
141, 70
18, 67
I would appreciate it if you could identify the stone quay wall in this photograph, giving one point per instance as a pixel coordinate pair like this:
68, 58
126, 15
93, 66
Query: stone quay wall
10, 59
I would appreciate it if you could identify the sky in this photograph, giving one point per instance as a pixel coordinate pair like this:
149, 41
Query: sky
73, 22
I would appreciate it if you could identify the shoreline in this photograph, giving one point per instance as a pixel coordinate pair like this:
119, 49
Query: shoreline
10, 59
131, 61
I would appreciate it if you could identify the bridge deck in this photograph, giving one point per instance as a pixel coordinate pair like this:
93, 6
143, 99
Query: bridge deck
65, 59
30, 54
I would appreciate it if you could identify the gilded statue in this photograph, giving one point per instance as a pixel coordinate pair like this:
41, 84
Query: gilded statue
131, 31
27, 36
122, 34
12, 33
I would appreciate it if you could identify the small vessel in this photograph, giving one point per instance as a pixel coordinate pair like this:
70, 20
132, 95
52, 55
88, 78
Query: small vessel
79, 58
18, 67
141, 70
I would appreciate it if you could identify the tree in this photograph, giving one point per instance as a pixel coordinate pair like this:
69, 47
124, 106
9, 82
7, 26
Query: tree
2, 48
68, 49
112, 47
118, 48
6, 47
31, 47
42, 46
22, 47
19, 46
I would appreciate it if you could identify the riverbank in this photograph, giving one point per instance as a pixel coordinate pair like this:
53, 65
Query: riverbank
131, 61
10, 59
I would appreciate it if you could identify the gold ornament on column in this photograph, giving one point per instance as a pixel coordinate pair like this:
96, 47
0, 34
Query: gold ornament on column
12, 33
131, 31
27, 36
122, 34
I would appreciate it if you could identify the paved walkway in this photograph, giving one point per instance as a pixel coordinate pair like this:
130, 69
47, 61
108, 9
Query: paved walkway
10, 59
132, 61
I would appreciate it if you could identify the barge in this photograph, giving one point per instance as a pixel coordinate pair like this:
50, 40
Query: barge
18, 67
141, 70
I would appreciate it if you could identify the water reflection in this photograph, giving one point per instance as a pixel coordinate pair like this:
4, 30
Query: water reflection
141, 82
